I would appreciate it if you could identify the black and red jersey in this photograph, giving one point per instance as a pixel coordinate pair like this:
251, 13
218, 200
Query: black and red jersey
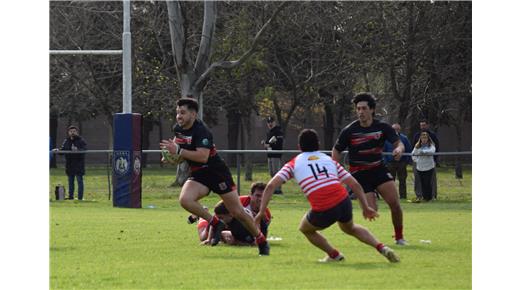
365, 144
198, 136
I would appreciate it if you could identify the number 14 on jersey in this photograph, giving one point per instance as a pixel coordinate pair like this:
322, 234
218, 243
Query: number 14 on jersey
316, 170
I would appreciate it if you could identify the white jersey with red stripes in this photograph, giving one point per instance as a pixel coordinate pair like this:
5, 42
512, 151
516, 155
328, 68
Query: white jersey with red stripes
319, 177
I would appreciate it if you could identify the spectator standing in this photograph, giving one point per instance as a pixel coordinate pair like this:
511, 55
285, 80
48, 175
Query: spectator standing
425, 127
74, 163
398, 167
274, 141
423, 158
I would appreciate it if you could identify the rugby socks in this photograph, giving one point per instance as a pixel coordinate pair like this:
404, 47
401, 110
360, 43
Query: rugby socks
260, 239
214, 220
380, 247
333, 254
398, 233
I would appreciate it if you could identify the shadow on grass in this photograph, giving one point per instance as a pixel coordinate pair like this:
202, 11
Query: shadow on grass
223, 252
357, 266
421, 248
73, 201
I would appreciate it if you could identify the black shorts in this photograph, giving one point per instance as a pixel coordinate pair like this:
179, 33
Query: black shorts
342, 212
217, 179
241, 234
372, 178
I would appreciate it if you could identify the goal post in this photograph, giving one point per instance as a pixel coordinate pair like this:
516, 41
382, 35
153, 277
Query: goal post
126, 158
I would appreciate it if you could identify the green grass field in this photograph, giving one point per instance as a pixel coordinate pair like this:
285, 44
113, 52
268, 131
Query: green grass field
96, 246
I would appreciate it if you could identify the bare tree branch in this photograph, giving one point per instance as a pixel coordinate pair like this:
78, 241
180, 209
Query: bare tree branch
208, 31
234, 63
178, 37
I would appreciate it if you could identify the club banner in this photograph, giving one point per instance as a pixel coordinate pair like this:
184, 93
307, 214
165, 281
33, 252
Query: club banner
126, 167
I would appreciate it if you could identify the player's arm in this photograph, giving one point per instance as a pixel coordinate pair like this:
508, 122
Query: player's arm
398, 149
368, 212
208, 235
391, 136
203, 233
340, 146
336, 155
274, 183
200, 155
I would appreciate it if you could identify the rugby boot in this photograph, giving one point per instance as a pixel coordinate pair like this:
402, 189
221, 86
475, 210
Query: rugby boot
401, 242
263, 249
192, 219
390, 254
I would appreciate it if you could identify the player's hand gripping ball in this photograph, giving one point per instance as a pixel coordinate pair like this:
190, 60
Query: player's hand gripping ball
170, 158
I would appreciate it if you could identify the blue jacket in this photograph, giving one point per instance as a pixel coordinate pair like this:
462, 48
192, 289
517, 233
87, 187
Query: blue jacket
407, 149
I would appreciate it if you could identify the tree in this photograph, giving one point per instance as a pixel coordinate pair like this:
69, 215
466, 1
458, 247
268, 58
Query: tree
83, 87
154, 76
87, 86
194, 74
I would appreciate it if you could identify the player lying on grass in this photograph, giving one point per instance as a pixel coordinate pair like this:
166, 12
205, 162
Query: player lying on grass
320, 179
235, 233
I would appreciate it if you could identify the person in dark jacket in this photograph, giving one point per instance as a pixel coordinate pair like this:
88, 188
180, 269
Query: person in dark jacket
398, 167
74, 163
274, 141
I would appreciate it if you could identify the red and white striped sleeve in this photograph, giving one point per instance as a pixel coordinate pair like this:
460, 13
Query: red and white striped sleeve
287, 170
342, 173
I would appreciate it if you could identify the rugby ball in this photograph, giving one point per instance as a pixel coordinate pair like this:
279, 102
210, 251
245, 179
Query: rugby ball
170, 158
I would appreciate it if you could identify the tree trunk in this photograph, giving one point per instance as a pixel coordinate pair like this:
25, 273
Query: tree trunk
328, 127
194, 76
458, 128
147, 128
183, 172
458, 165
187, 72
343, 110
159, 124
109, 123
409, 65
328, 119
403, 114
233, 119
53, 132
248, 158
413, 125
367, 82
